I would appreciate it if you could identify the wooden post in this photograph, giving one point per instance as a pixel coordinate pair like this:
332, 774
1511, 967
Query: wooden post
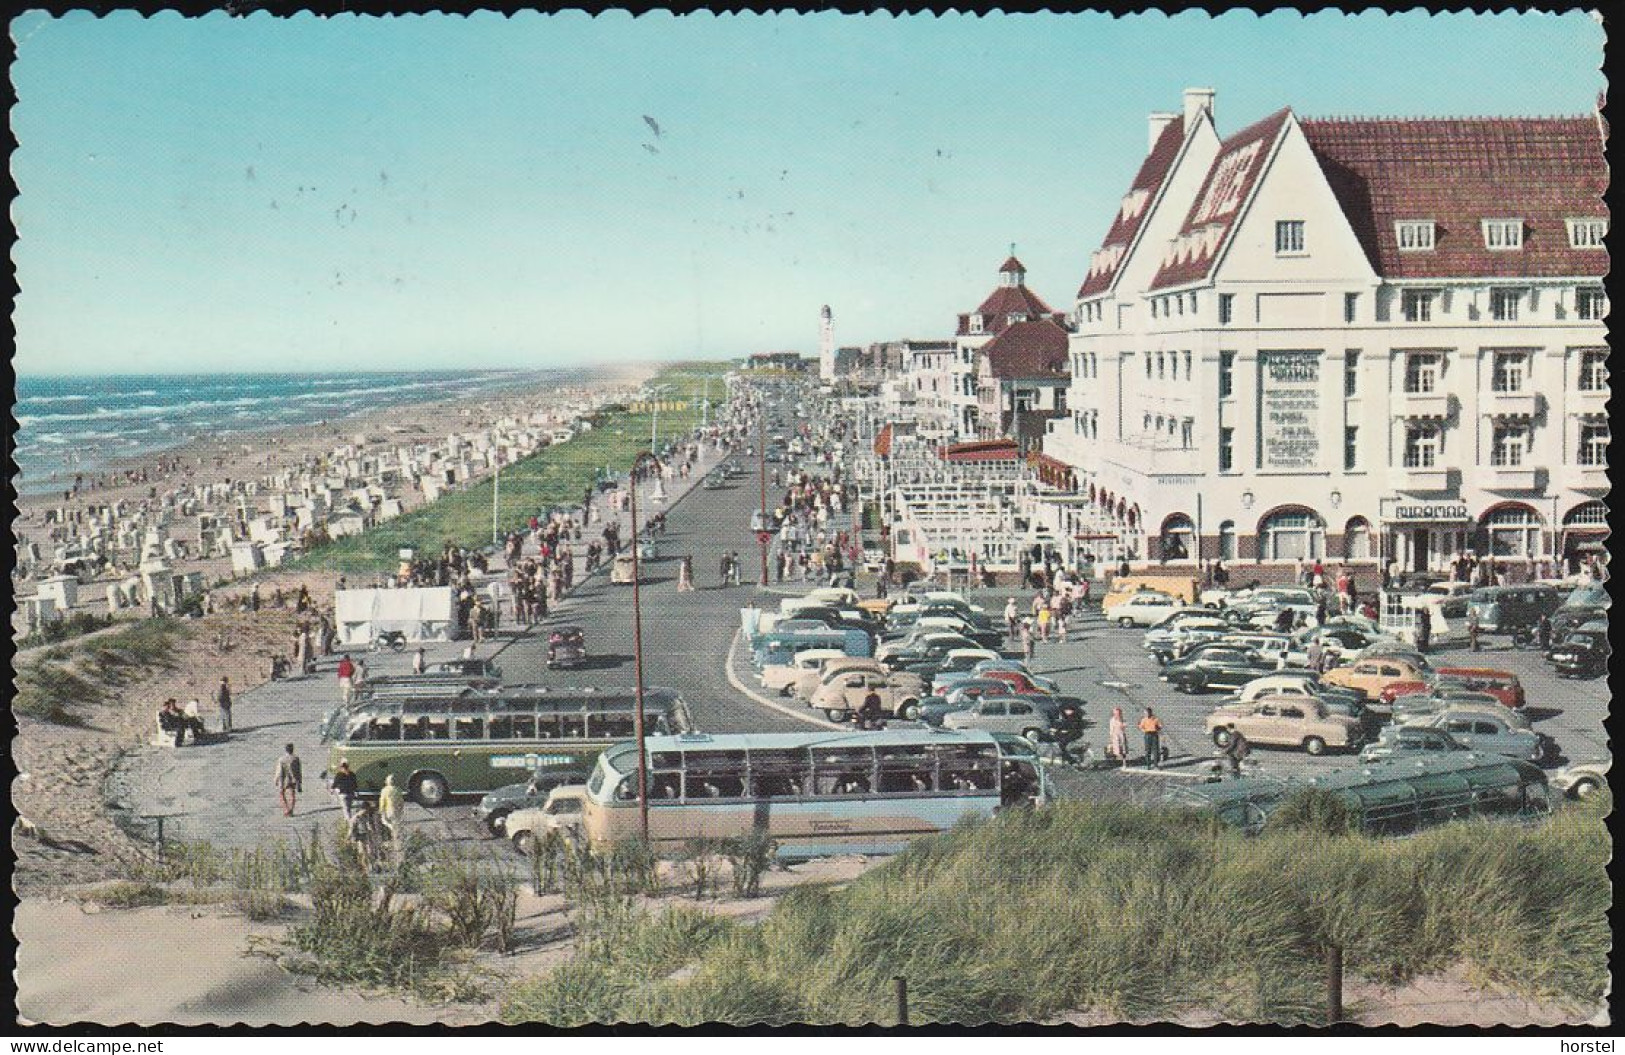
902, 999
160, 820
1334, 985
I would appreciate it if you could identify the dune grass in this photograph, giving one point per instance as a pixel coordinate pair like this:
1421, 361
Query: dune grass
556, 475
62, 681
1127, 911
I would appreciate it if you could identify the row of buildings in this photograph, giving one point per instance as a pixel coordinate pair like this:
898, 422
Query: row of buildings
1361, 339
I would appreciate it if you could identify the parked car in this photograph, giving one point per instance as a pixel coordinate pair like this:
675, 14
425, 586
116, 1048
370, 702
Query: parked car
1340, 639
562, 809
782, 677
1406, 740
1582, 779
1412, 706
1021, 715
1273, 647
1501, 685
1306, 686
841, 693
566, 647
1165, 641
927, 652
1270, 601
1146, 608
1372, 675
1581, 606
494, 808
1216, 666
1504, 609
1493, 731
1583, 654
958, 665
931, 709
1284, 722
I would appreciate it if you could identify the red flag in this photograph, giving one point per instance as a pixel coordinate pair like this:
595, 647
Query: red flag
883, 441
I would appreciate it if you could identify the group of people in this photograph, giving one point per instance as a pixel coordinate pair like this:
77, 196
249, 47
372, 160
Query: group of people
181, 721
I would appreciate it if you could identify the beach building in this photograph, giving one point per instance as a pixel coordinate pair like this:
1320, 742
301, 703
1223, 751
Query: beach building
1010, 304
1361, 339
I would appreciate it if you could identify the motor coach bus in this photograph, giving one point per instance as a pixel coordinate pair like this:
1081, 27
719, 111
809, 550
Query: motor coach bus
815, 794
479, 740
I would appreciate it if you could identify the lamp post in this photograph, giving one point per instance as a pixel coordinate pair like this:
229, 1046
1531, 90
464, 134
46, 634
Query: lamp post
761, 472
637, 646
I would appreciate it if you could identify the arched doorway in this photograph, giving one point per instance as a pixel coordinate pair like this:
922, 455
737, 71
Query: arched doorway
1357, 539
1177, 539
1510, 530
1292, 533
1585, 534
1227, 540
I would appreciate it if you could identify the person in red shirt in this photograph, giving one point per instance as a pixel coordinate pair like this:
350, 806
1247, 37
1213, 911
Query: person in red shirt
346, 678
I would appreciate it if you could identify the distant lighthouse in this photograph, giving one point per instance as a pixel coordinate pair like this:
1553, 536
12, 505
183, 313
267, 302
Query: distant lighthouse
826, 344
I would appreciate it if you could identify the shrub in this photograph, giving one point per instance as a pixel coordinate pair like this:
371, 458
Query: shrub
751, 856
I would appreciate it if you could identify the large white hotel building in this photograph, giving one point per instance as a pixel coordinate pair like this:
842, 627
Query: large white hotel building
1364, 339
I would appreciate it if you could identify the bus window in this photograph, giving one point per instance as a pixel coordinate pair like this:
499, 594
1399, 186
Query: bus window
417, 729
524, 727
611, 725
714, 774
906, 770
500, 727
470, 728
966, 768
439, 728
573, 726
468, 706
779, 773
547, 725
843, 770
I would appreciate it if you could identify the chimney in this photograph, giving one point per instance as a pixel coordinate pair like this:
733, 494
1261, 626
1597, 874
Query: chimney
1159, 120
1197, 100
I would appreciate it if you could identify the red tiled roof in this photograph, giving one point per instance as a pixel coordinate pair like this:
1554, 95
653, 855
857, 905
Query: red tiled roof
1028, 349
980, 451
1002, 303
1011, 264
1459, 172
1153, 170
1225, 189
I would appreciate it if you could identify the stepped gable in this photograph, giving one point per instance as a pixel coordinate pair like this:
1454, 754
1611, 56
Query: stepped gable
1034, 349
1458, 172
1147, 182
1226, 188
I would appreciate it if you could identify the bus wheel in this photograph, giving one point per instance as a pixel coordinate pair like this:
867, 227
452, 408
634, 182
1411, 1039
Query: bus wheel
524, 842
430, 790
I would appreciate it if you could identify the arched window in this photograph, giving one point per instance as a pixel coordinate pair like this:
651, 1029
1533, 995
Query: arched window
1512, 531
1587, 515
1178, 537
1227, 540
1292, 534
1357, 539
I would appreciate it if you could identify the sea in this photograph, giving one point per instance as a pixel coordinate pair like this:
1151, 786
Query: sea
82, 424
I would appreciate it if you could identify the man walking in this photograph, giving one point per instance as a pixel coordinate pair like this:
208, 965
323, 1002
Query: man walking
346, 678
1151, 729
1472, 628
345, 786
222, 700
390, 804
289, 779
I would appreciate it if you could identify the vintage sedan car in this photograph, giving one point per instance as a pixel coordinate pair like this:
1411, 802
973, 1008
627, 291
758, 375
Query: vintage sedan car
1409, 740
1269, 601
782, 677
932, 708
1501, 684
927, 652
1284, 721
1167, 640
1144, 608
1497, 731
1372, 674
958, 665
1023, 716
1338, 639
1584, 653
1582, 779
1019, 681
1216, 666
841, 693
493, 809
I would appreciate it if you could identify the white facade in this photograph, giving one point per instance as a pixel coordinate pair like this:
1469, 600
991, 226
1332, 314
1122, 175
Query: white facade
1285, 400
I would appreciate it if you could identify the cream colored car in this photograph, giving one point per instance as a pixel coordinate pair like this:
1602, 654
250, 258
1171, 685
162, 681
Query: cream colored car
843, 691
1373, 674
782, 677
562, 810
808, 681
1284, 721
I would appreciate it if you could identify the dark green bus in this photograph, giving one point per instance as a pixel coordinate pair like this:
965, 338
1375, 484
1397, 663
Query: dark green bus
477, 740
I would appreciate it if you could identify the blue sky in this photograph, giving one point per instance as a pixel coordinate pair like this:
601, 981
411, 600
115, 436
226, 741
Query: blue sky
352, 192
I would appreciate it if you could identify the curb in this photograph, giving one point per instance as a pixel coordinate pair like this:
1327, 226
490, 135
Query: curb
740, 686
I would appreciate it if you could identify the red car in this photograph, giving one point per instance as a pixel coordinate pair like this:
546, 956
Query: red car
1019, 683
1502, 684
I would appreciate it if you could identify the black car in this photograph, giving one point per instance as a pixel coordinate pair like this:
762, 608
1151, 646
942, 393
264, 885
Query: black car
1216, 666
1580, 607
927, 653
1583, 654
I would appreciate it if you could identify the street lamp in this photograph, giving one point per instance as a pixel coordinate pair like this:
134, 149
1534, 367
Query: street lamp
637, 645
761, 471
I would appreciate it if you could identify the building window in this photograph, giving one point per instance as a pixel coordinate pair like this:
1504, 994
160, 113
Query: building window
1193, 302
1186, 427
976, 324
1423, 371
1416, 305
1511, 371
1154, 307
1591, 303
1351, 447
1503, 234
1509, 444
1587, 234
1227, 374
1504, 304
1594, 437
1414, 235
1514, 531
1227, 540
1594, 370
1162, 363
1424, 442
1351, 373
1351, 307
1227, 449
1227, 308
1187, 364
1292, 536
1357, 539
1288, 236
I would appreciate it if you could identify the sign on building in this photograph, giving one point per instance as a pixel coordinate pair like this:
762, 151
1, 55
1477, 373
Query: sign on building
1289, 410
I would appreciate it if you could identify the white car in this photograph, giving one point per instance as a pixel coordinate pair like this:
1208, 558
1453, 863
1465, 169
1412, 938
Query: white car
1276, 685
1146, 609
562, 810
782, 677
1582, 779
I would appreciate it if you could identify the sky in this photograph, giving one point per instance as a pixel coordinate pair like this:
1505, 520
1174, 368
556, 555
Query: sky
352, 192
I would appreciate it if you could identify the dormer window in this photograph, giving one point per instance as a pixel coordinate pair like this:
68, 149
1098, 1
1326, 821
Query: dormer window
1415, 236
1503, 234
1587, 233
976, 324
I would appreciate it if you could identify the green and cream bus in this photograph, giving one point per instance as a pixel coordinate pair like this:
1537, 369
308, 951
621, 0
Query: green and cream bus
477, 740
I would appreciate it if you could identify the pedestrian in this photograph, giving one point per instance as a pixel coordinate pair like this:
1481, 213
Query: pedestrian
1027, 640
1543, 630
417, 660
1117, 737
1068, 727
1424, 630
1235, 751
1472, 628
725, 567
734, 568
289, 779
1314, 654
346, 678
391, 803
364, 835
869, 712
1151, 729
344, 786
1010, 616
222, 700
